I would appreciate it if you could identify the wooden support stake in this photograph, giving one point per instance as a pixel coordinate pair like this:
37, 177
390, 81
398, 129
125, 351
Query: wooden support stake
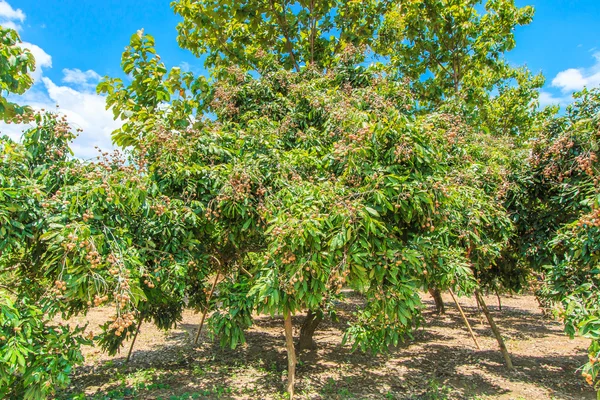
291, 352
206, 308
464, 317
137, 330
496, 331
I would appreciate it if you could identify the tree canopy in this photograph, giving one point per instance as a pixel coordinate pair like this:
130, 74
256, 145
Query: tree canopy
381, 147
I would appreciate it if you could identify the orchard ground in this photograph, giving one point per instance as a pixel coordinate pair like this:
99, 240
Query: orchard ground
441, 362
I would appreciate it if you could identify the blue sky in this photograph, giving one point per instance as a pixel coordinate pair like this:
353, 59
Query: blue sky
77, 41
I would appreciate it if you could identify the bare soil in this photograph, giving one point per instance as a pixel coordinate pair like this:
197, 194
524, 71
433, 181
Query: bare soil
441, 362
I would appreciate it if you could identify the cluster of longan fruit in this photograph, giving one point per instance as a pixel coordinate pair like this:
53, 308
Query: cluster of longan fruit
224, 98
112, 259
241, 186
122, 299
121, 323
87, 215
277, 231
341, 148
585, 162
93, 256
98, 300
588, 378
428, 225
288, 258
590, 220
24, 118
211, 213
72, 242
59, 287
298, 278
360, 136
237, 72
336, 281
403, 151
114, 270
148, 282
159, 209
562, 144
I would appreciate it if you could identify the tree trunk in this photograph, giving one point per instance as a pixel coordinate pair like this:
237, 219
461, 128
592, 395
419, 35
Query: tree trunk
212, 290
309, 326
437, 298
495, 329
291, 352
499, 301
137, 330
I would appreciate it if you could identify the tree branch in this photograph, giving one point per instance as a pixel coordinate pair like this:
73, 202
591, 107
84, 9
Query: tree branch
284, 28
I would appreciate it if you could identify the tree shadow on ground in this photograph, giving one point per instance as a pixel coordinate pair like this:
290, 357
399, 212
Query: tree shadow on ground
431, 362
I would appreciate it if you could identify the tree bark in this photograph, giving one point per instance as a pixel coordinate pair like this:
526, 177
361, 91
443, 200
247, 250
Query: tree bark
307, 330
137, 330
212, 290
495, 329
437, 298
499, 301
291, 352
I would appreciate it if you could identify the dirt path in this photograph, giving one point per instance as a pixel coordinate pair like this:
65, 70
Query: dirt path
440, 363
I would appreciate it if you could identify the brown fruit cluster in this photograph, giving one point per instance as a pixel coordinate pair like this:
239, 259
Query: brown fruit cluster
590, 220
93, 257
403, 151
588, 378
121, 323
224, 99
159, 209
99, 300
148, 282
288, 258
122, 299
59, 287
72, 243
585, 162
87, 215
337, 280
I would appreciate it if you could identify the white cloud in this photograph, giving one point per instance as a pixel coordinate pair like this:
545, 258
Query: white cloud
7, 12
9, 16
80, 78
549, 99
76, 97
42, 60
575, 79
83, 108
185, 66
11, 25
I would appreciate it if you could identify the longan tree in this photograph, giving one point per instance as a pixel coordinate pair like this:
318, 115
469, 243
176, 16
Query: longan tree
560, 190
313, 182
76, 235
15, 64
